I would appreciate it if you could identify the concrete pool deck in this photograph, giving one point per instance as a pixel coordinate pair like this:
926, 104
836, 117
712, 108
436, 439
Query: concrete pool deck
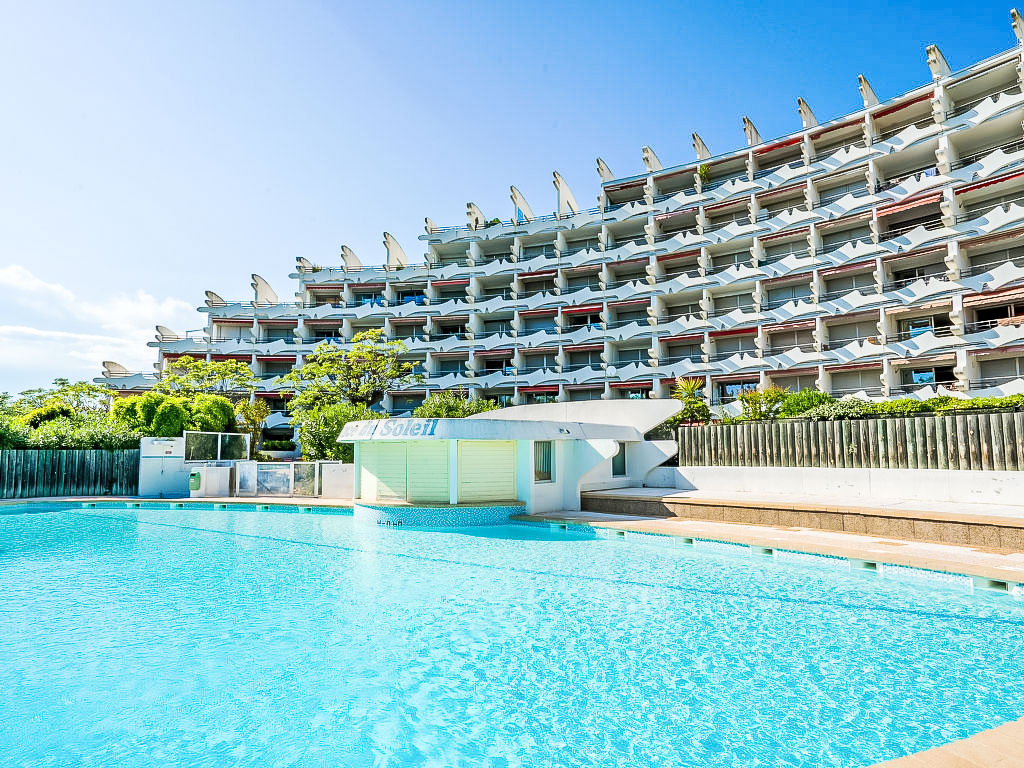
979, 524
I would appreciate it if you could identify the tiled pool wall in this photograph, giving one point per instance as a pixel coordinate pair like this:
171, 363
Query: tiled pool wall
445, 517
50, 506
435, 517
904, 573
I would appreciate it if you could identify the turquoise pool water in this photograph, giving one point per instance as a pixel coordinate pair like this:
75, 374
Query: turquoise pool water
201, 637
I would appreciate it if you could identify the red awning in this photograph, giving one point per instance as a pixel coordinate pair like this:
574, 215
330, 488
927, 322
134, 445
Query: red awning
408, 321
538, 313
779, 145
903, 105
494, 352
632, 384
907, 205
791, 372
539, 390
628, 302
585, 348
990, 182
275, 359
542, 273
860, 367
442, 283
679, 255
787, 233
736, 332
581, 310
995, 299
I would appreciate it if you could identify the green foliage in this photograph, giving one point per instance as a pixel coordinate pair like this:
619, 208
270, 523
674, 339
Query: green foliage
1010, 402
44, 413
13, 433
250, 417
170, 418
704, 172
452, 404
159, 415
188, 377
840, 409
941, 401
799, 403
278, 445
904, 406
361, 374
318, 429
690, 391
762, 404
212, 413
93, 431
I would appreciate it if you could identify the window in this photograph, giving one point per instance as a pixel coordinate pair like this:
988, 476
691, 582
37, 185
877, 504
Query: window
543, 462
619, 462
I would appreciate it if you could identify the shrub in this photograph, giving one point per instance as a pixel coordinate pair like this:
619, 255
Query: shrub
212, 413
278, 445
691, 393
319, 429
799, 403
760, 404
159, 415
452, 404
93, 432
1010, 402
13, 434
48, 412
170, 418
840, 409
939, 402
900, 407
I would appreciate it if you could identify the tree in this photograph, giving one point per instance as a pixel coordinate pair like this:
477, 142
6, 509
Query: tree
188, 376
251, 415
159, 415
690, 392
452, 404
761, 404
360, 374
318, 429
78, 397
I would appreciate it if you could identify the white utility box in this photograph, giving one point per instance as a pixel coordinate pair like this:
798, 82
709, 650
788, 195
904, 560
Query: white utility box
162, 471
207, 482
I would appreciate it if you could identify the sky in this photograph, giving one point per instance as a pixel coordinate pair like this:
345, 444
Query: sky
152, 151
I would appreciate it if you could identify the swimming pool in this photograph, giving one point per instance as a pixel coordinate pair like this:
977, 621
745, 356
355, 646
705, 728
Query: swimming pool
222, 637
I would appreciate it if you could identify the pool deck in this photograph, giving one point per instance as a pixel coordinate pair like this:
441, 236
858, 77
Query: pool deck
1001, 747
977, 524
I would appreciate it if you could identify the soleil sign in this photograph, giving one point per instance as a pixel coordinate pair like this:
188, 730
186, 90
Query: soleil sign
384, 428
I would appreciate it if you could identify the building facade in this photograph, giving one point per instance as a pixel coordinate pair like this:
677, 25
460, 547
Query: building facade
877, 253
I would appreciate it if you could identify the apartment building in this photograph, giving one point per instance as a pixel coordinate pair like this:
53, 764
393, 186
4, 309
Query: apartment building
877, 253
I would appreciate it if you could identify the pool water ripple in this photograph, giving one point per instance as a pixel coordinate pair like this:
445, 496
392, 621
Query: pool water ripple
218, 638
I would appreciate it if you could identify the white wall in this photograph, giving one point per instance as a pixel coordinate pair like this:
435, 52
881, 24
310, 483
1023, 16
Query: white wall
854, 486
337, 480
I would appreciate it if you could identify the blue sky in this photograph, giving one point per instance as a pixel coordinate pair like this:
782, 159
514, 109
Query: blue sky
150, 152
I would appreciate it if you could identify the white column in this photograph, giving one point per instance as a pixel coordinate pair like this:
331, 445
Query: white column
453, 471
